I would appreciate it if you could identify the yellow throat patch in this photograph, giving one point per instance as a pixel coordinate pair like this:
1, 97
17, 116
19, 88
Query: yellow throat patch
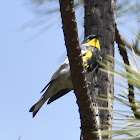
85, 58
94, 42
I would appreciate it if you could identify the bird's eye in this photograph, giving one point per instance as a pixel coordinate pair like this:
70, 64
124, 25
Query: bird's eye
90, 38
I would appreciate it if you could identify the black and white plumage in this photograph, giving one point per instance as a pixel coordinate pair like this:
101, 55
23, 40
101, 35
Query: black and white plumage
60, 83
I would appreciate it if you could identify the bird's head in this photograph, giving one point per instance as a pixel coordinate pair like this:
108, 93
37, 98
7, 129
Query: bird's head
92, 40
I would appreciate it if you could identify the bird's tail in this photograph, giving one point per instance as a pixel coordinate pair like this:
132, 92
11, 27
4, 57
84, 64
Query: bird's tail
35, 108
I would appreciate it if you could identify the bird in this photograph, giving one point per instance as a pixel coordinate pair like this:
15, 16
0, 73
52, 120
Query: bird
60, 83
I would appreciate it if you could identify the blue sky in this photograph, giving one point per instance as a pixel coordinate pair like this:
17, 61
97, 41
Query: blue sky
27, 62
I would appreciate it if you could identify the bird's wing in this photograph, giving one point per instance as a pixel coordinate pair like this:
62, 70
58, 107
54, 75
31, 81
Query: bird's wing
58, 95
46, 86
63, 69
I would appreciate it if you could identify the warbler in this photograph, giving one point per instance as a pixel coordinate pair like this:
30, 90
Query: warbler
61, 83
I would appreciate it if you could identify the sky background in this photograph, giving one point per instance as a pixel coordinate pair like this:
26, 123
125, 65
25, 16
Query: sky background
28, 58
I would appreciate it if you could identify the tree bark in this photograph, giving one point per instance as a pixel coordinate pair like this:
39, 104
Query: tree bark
89, 120
99, 19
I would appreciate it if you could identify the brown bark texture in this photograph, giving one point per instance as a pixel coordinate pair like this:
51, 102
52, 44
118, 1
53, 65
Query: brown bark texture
100, 20
89, 121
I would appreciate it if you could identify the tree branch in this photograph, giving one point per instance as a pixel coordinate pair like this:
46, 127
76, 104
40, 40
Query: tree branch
128, 44
123, 52
89, 122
